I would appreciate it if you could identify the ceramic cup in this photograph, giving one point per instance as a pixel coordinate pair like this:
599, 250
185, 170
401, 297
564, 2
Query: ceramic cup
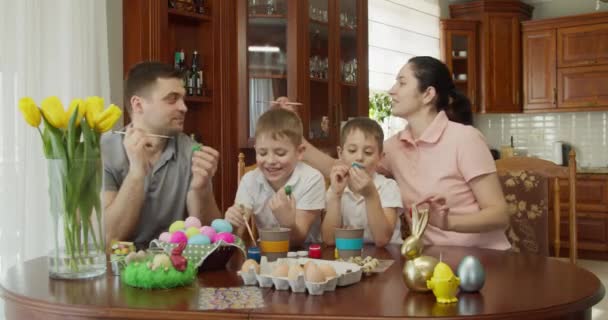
274, 243
349, 242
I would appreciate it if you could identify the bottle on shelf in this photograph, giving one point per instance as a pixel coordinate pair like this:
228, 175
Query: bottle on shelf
195, 80
199, 6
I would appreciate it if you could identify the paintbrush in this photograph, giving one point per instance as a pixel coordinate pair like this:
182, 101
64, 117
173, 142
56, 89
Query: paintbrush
147, 134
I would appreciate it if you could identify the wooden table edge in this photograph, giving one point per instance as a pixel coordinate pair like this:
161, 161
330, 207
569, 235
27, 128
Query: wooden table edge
118, 313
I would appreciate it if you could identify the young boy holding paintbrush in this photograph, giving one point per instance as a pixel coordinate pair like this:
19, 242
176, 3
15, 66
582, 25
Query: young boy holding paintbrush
282, 191
358, 196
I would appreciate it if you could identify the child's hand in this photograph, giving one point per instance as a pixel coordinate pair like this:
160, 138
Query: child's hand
236, 215
283, 207
360, 182
339, 178
438, 211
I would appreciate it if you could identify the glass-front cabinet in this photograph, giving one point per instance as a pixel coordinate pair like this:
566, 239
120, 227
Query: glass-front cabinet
459, 52
314, 52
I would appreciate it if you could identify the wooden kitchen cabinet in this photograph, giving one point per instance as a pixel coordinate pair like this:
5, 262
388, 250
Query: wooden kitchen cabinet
499, 89
539, 69
566, 63
591, 215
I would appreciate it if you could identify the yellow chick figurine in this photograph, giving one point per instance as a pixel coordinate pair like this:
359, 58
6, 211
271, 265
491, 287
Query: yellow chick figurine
444, 284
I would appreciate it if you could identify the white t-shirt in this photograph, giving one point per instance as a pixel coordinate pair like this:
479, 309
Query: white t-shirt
354, 212
308, 189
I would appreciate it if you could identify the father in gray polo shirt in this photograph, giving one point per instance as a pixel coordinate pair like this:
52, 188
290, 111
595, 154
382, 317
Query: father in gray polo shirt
151, 181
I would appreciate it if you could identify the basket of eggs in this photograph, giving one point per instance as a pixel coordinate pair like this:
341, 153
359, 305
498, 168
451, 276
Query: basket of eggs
208, 247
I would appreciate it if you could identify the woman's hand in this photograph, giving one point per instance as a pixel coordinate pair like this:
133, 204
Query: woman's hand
438, 211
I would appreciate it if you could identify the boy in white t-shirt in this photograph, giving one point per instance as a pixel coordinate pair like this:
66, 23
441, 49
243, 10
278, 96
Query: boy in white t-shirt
358, 196
279, 148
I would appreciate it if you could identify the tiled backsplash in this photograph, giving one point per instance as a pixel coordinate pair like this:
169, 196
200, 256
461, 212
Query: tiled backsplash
535, 134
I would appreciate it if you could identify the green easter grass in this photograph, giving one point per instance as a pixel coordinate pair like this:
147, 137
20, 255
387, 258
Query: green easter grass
138, 275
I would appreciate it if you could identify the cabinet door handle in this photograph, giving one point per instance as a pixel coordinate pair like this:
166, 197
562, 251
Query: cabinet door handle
554, 95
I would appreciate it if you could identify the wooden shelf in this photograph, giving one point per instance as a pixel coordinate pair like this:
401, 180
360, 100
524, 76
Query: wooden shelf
198, 99
267, 76
318, 80
188, 15
349, 84
348, 29
460, 81
459, 58
267, 16
323, 23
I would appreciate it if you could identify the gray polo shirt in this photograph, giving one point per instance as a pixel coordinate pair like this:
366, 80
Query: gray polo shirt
165, 187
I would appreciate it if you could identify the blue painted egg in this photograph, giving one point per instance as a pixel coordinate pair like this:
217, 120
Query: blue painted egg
199, 239
221, 225
471, 273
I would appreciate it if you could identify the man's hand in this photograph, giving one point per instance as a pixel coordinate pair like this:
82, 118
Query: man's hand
136, 144
204, 166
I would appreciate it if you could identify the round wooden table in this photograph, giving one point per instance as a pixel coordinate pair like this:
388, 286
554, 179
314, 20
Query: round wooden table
518, 286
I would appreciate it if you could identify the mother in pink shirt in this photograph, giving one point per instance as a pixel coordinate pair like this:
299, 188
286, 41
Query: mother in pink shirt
440, 161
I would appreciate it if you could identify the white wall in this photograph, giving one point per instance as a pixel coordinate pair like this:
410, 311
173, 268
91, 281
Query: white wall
399, 30
114, 13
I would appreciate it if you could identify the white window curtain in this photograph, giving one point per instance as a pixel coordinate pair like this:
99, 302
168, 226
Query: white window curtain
399, 30
56, 47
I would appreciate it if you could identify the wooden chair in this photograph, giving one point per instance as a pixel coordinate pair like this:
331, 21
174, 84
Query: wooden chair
241, 170
553, 173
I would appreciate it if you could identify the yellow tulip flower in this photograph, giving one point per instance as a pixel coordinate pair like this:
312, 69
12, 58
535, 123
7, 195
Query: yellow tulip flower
53, 112
81, 110
94, 107
30, 111
106, 120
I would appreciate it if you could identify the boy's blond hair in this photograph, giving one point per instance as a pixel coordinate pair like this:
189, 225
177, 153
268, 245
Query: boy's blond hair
368, 126
279, 123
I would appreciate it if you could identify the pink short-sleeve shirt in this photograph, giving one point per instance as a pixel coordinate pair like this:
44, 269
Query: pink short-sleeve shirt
442, 161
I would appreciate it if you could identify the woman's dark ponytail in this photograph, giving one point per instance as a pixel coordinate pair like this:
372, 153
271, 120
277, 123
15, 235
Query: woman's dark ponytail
431, 72
459, 109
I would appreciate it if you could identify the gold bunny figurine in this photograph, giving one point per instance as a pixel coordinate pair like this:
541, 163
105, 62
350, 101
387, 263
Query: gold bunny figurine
418, 268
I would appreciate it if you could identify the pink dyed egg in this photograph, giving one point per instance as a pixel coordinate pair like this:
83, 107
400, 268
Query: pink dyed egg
178, 237
165, 237
192, 222
208, 231
224, 236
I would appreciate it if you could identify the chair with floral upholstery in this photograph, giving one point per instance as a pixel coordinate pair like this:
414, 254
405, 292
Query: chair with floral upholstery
525, 184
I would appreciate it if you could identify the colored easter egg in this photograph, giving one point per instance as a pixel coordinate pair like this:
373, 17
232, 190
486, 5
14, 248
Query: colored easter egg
176, 226
165, 237
192, 222
208, 231
221, 225
199, 239
224, 236
178, 237
192, 231
471, 273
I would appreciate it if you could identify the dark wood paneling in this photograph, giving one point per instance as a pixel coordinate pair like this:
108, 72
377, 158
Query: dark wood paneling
539, 56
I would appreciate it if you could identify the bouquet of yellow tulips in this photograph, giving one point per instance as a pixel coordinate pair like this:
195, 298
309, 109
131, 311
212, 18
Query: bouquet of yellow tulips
71, 141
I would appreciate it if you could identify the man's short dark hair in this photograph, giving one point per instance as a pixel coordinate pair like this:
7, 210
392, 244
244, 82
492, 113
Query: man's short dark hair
144, 75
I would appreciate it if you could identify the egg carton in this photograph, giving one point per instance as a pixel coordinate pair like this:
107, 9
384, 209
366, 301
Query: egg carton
347, 274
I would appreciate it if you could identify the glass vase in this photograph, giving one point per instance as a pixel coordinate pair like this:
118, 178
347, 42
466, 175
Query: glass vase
77, 249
